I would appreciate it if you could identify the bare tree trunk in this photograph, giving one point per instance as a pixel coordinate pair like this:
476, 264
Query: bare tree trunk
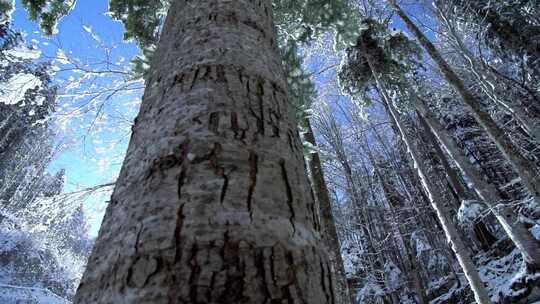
213, 204
450, 230
524, 168
448, 226
488, 82
329, 231
353, 193
483, 235
514, 228
413, 270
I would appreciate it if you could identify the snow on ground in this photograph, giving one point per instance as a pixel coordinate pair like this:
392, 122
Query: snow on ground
26, 295
499, 273
502, 272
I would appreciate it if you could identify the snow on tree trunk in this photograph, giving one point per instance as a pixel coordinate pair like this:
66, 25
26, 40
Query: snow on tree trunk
488, 81
514, 228
524, 168
328, 228
212, 204
514, 39
450, 230
483, 235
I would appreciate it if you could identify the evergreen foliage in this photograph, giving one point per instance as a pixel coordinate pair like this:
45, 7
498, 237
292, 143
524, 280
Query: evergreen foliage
392, 53
48, 12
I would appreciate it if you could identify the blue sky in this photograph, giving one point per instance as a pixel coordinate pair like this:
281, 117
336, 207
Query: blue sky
93, 129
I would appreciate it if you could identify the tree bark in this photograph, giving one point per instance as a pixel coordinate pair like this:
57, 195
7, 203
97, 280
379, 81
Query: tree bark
212, 204
328, 229
514, 228
523, 167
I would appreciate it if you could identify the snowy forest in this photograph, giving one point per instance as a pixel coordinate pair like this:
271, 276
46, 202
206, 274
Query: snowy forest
270, 151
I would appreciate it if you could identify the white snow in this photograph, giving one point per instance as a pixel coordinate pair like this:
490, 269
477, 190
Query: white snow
30, 232
39, 100
13, 90
18, 294
369, 290
89, 30
535, 230
511, 183
470, 211
6, 16
394, 276
61, 57
418, 240
24, 52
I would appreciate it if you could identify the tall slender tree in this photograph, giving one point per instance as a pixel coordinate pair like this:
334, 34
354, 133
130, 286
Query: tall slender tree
509, 220
452, 234
365, 63
486, 78
508, 28
328, 226
523, 167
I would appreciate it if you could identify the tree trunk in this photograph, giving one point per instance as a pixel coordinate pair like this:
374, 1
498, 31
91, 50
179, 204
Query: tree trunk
413, 269
488, 82
514, 228
356, 197
328, 230
212, 204
483, 235
524, 168
450, 230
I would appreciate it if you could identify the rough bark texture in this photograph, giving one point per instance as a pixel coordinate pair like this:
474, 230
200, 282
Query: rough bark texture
524, 168
509, 220
212, 204
328, 226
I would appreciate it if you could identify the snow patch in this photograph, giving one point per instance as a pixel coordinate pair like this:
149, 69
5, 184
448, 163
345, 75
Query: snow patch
19, 294
370, 290
25, 53
420, 243
14, 89
394, 275
61, 57
535, 230
470, 211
